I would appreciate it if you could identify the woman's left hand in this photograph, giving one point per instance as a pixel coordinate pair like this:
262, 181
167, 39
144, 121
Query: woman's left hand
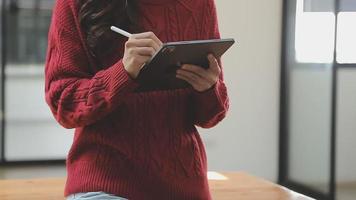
201, 79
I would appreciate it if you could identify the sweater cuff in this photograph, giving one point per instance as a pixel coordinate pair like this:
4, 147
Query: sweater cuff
120, 82
210, 96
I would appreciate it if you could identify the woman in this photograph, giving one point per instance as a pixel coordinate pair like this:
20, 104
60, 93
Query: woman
130, 144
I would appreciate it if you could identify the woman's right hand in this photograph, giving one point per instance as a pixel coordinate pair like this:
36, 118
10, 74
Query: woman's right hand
138, 50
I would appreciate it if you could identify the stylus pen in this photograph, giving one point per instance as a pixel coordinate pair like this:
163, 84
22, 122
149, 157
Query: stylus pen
120, 31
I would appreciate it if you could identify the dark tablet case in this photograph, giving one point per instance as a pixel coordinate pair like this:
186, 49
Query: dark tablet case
159, 73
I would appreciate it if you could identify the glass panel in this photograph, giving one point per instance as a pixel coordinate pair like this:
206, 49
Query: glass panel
347, 5
318, 6
27, 29
310, 62
346, 37
309, 127
346, 137
346, 112
314, 40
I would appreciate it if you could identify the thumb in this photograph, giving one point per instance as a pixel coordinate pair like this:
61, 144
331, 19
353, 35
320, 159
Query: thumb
213, 64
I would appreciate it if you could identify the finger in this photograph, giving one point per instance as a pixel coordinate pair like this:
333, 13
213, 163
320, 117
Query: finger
142, 43
190, 75
144, 51
213, 64
195, 69
210, 79
140, 60
190, 81
149, 34
201, 81
197, 86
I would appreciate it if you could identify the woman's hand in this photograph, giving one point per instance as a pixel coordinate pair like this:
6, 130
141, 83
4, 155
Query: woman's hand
138, 50
201, 79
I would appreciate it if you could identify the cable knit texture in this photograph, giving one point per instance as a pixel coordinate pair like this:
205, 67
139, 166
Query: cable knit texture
139, 145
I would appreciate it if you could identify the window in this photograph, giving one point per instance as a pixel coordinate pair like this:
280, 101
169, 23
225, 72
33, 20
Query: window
27, 29
346, 37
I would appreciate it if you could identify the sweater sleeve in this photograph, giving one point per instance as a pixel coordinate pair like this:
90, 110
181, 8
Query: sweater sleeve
75, 94
211, 105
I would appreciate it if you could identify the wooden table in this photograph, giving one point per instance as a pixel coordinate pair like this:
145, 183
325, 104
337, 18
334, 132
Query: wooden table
242, 186
224, 186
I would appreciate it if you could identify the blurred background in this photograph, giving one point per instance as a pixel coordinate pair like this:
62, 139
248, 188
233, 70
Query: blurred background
291, 80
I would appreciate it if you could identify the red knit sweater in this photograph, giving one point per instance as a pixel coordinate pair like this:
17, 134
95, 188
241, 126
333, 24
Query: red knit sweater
138, 145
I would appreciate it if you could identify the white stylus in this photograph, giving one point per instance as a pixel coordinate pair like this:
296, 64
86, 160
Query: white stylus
120, 31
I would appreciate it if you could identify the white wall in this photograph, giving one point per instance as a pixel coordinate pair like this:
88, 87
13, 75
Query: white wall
247, 139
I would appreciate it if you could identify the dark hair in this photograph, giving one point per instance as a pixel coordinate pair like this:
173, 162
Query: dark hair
96, 17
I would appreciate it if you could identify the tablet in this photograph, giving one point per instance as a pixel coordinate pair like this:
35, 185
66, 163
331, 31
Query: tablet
160, 71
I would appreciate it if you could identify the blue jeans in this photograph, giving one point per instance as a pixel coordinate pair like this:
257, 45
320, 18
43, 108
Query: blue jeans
94, 196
